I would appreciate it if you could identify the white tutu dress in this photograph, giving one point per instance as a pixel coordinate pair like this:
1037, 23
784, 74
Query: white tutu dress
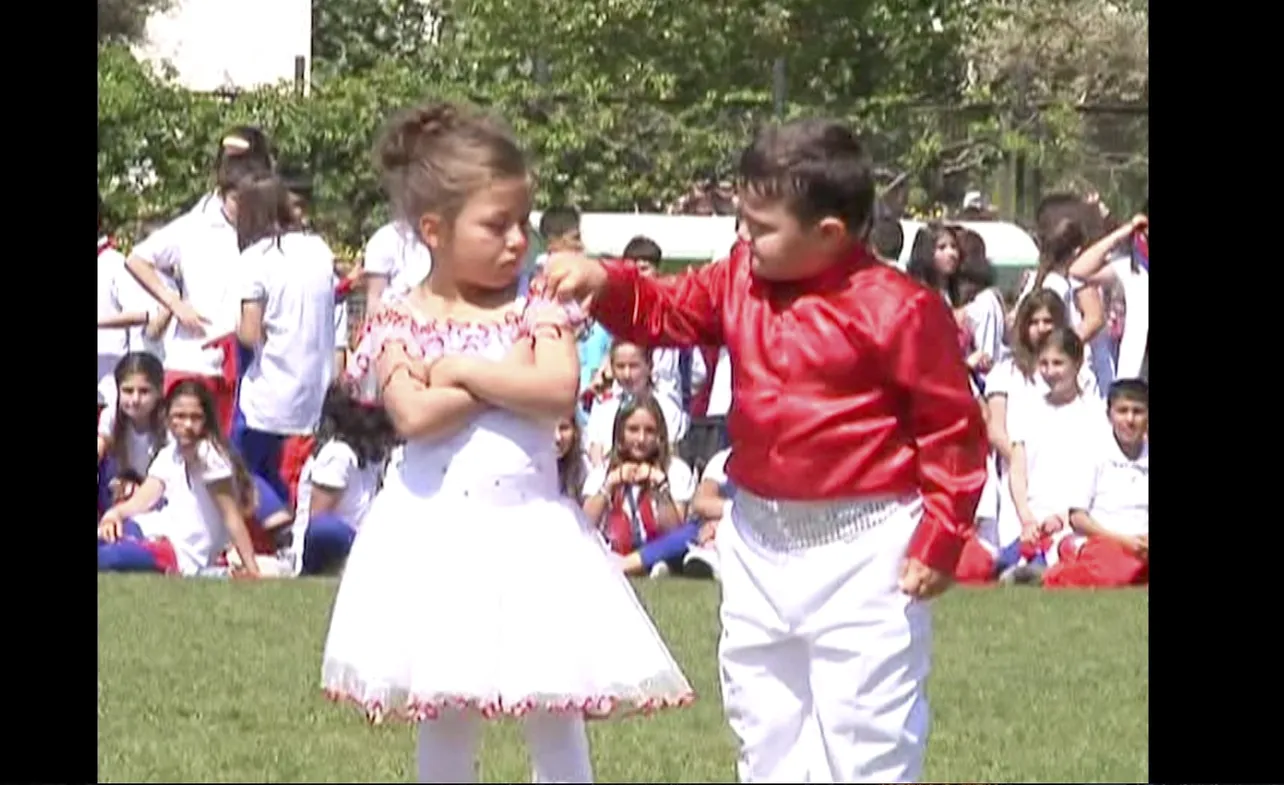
474, 584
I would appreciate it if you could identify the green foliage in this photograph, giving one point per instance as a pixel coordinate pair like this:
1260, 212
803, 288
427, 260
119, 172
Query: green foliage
622, 103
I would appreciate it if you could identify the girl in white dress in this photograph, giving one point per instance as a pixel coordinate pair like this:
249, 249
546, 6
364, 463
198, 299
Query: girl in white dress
473, 378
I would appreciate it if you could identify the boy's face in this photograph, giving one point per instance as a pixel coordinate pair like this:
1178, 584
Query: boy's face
571, 241
1130, 420
783, 248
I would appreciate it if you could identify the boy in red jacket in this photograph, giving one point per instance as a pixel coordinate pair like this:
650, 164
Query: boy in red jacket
858, 455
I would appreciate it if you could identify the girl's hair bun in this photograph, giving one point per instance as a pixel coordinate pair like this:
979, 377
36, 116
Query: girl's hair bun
411, 134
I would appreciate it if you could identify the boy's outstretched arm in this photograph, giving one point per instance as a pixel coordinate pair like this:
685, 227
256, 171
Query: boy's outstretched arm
672, 310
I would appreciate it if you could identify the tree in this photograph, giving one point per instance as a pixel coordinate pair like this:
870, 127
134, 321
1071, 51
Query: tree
126, 20
350, 37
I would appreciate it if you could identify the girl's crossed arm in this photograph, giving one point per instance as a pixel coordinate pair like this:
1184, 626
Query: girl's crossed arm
545, 388
419, 410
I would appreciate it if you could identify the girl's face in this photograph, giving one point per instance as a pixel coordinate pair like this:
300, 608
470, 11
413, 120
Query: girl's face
1059, 371
138, 398
186, 420
945, 254
1041, 324
641, 436
631, 368
487, 240
564, 437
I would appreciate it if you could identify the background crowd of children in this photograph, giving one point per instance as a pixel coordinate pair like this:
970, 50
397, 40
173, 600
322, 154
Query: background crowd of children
229, 439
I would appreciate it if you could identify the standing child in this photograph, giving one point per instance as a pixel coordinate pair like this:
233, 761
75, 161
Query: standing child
132, 432
125, 315
205, 491
339, 480
287, 313
1132, 274
200, 249
1045, 458
1058, 247
1110, 508
473, 378
858, 455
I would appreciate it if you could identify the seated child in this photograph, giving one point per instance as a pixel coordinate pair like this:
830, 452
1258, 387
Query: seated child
191, 502
1045, 459
638, 499
1110, 514
710, 505
339, 481
132, 432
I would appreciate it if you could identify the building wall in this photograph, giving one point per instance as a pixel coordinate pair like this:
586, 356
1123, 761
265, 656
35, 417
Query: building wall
231, 44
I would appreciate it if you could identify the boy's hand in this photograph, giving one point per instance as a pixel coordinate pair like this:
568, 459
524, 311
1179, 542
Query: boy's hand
569, 275
922, 582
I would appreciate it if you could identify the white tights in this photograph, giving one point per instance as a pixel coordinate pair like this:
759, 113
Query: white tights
557, 745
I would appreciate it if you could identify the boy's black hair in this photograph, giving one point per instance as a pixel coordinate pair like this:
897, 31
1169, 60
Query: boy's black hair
559, 221
888, 238
818, 167
1137, 390
643, 249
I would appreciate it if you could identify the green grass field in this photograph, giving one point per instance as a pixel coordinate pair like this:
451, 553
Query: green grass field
208, 681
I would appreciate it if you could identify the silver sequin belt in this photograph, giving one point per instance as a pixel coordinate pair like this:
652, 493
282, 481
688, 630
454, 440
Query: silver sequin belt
786, 526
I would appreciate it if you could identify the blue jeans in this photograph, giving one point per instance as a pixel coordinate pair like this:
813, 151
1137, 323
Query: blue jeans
670, 546
128, 554
326, 543
261, 452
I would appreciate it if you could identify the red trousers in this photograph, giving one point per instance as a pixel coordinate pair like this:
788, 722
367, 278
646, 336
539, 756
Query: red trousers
294, 454
1102, 564
224, 393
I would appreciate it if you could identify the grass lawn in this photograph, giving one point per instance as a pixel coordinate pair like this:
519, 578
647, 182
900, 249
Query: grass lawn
208, 681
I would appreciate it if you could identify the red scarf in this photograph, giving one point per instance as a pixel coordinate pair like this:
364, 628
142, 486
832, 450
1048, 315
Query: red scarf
106, 244
630, 525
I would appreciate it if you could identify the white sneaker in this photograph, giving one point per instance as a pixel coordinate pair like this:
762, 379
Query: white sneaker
660, 570
700, 562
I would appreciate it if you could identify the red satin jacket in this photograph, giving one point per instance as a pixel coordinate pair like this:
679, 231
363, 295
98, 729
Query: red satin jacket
846, 385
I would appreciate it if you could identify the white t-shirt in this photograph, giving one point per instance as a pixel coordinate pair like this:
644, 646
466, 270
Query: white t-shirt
190, 518
666, 371
1006, 379
1053, 438
397, 252
601, 422
1114, 489
138, 444
682, 484
283, 388
335, 467
716, 469
1098, 357
199, 250
720, 391
987, 321
119, 292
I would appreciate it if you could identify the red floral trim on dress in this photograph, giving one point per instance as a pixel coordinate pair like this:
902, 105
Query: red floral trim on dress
435, 337
424, 711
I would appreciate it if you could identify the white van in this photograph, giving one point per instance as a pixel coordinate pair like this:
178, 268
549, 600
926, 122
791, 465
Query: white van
696, 239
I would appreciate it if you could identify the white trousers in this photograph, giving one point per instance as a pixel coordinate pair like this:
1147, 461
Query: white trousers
557, 744
823, 659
